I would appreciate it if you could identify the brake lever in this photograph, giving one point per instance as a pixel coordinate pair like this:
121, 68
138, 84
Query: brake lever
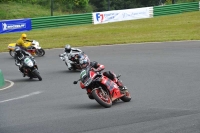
119, 75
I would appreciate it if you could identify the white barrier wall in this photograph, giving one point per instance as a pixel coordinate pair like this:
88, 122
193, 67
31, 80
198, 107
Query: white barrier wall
199, 5
122, 15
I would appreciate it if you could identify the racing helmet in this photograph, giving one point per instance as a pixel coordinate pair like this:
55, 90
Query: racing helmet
18, 52
23, 36
84, 62
67, 48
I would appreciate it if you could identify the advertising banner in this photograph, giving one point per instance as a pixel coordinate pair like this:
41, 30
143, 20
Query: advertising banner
16, 25
120, 15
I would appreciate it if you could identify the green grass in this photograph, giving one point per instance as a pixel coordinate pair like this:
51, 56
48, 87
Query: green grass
13, 10
184, 26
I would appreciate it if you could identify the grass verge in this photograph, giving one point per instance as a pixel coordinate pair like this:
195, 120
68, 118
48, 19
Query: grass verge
14, 10
184, 26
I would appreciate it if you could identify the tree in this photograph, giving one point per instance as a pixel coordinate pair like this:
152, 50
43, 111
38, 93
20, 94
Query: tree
99, 5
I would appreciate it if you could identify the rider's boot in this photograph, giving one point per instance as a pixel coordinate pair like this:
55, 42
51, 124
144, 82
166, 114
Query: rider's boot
120, 84
23, 74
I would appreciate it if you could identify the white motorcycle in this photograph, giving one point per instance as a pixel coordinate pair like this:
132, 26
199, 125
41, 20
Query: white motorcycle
71, 60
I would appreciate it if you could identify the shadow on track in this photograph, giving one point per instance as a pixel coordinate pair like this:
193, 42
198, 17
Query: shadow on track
94, 105
25, 79
67, 71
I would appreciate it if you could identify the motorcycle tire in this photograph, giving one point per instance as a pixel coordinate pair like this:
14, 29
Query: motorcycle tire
126, 97
36, 73
40, 52
102, 100
12, 53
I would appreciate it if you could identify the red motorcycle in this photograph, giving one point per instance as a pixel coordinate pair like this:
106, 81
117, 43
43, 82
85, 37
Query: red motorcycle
101, 88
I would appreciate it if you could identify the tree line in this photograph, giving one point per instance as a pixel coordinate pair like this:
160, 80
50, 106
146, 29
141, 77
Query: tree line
84, 6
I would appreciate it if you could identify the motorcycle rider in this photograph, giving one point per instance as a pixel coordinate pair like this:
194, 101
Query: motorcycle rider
84, 62
19, 56
73, 54
21, 42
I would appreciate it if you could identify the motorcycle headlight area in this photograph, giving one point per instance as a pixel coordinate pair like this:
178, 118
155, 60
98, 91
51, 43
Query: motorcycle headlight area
36, 43
11, 47
87, 82
28, 62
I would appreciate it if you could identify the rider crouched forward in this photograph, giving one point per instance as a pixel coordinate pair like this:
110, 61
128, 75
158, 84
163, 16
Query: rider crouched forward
71, 54
19, 56
99, 67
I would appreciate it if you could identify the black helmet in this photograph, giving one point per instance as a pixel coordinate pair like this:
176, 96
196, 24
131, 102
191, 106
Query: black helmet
18, 51
67, 48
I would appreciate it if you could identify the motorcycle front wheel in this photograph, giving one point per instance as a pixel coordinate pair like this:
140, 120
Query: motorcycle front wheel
36, 73
40, 52
12, 53
102, 98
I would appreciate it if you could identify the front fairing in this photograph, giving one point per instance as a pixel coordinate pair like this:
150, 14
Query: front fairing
112, 87
87, 76
36, 44
11, 46
109, 83
28, 62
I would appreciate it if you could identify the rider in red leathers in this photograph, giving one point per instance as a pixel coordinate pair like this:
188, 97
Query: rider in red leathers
99, 67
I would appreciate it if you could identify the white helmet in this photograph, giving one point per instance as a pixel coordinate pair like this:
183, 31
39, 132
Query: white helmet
67, 48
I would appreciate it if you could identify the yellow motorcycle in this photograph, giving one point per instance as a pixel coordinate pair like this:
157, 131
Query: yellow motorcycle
32, 47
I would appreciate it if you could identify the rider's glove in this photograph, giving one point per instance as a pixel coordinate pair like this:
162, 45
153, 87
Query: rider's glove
32, 57
29, 40
17, 64
20, 66
95, 70
60, 55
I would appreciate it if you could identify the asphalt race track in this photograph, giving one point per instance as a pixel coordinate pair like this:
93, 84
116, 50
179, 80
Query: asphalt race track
163, 78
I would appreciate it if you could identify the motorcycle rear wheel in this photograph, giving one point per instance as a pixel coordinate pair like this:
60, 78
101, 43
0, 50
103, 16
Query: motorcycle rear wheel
12, 53
40, 52
103, 100
126, 97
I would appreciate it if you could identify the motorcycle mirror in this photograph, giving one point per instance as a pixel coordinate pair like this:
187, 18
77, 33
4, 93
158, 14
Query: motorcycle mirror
75, 82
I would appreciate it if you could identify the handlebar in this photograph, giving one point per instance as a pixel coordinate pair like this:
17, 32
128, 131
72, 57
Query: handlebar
75, 82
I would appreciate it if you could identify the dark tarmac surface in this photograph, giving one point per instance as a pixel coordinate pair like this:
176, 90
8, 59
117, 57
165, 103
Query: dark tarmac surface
163, 79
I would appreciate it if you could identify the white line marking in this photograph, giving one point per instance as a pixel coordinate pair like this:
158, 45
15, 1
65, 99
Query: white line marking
21, 97
11, 84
